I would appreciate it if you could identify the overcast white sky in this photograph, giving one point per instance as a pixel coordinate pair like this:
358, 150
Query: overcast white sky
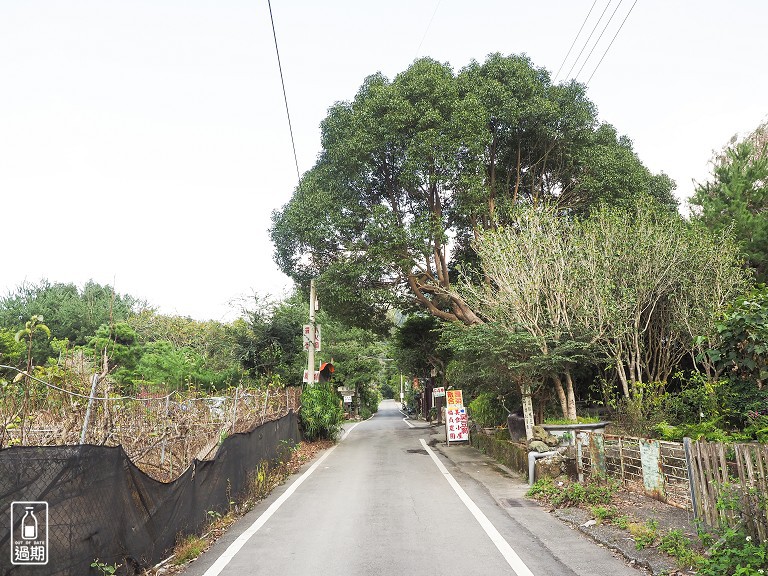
144, 142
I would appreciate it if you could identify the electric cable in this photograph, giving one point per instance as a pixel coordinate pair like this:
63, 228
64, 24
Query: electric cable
589, 38
598, 39
611, 44
285, 94
429, 25
574, 42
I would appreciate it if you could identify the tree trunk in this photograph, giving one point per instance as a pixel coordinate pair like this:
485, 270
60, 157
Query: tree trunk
571, 396
561, 395
622, 377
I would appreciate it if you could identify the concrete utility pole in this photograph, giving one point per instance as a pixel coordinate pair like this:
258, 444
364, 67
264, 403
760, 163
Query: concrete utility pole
311, 348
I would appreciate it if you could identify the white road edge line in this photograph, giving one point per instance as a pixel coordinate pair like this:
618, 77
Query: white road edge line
409, 424
221, 562
503, 546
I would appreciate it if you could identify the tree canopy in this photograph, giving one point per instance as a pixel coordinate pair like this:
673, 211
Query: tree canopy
634, 289
413, 169
737, 196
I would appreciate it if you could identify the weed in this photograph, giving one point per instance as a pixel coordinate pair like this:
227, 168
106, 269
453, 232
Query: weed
677, 545
736, 554
105, 569
604, 513
573, 494
188, 549
541, 487
622, 522
645, 534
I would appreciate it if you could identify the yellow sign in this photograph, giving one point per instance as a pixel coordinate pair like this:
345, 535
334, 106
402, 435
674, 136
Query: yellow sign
453, 399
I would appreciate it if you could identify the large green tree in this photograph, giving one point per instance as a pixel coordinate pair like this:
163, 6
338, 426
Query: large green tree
417, 347
267, 341
737, 196
413, 169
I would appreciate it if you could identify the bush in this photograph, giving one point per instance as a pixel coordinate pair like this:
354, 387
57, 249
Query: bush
321, 412
487, 410
736, 554
564, 495
677, 545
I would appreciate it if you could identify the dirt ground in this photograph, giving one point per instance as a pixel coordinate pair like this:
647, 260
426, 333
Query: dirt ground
638, 508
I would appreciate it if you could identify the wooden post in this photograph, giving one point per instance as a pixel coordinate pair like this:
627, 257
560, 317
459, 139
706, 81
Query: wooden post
94, 383
691, 477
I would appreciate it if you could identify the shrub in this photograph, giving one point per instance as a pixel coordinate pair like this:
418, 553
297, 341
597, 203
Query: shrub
736, 554
677, 545
573, 494
321, 412
741, 355
487, 410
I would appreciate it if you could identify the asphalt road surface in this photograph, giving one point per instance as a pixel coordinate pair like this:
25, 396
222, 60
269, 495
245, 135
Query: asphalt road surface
385, 502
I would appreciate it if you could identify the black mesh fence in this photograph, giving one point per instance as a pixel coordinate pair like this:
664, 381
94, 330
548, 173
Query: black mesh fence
101, 506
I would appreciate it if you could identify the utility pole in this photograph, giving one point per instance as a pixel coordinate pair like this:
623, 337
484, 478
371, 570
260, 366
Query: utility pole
311, 348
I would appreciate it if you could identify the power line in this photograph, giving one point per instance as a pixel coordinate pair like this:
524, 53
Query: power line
574, 41
429, 25
611, 44
598, 38
589, 38
285, 95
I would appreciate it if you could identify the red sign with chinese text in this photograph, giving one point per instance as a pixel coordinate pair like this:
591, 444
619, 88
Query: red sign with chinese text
456, 425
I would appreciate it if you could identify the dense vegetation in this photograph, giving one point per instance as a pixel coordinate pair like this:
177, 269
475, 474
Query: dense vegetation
480, 227
413, 169
60, 334
528, 248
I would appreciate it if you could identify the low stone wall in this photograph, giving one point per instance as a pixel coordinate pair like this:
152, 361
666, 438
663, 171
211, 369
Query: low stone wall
512, 454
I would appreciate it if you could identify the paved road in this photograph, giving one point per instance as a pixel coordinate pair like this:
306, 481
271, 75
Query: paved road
379, 503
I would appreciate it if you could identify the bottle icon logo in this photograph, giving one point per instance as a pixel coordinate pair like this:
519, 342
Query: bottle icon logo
29, 524
29, 533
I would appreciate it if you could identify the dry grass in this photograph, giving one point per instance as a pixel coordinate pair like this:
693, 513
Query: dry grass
161, 432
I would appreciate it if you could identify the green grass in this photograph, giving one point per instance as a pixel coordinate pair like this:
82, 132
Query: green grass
579, 420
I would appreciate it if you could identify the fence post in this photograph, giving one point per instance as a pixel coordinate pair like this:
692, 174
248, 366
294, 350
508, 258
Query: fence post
691, 478
234, 410
264, 409
621, 459
165, 430
94, 382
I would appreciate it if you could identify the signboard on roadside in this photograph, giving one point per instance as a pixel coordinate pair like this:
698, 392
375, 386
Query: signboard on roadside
306, 376
306, 336
456, 425
438, 392
454, 399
